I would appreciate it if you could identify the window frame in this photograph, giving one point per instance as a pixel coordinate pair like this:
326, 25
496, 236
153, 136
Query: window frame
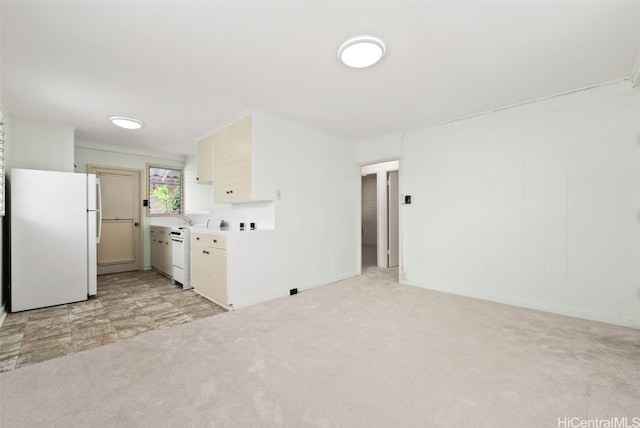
148, 190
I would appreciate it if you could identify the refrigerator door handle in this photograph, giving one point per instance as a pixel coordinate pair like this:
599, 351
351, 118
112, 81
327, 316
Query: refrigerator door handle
99, 210
92, 254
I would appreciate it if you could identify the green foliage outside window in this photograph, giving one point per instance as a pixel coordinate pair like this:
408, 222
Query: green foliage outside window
165, 190
168, 201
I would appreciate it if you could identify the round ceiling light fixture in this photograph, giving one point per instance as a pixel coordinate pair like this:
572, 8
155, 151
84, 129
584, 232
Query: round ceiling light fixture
361, 51
126, 122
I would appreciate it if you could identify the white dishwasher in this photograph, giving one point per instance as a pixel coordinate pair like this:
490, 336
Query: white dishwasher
180, 246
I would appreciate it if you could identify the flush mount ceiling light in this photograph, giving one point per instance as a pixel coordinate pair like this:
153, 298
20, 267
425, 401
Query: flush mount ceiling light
361, 52
126, 123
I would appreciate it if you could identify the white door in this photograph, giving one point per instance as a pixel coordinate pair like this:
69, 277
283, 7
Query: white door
393, 206
118, 250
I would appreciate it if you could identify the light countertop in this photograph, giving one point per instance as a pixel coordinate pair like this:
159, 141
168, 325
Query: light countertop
217, 231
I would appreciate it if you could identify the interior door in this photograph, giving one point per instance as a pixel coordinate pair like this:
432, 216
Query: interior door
393, 206
118, 250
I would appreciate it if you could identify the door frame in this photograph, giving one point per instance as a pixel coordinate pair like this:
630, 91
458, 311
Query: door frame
140, 255
382, 219
393, 220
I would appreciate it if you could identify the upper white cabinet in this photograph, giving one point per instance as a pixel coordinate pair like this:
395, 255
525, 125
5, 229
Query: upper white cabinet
221, 164
242, 172
205, 160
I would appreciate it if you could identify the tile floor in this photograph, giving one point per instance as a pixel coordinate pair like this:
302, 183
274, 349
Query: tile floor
127, 304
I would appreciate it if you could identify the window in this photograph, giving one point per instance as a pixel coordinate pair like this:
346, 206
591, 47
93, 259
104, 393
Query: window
1, 166
164, 191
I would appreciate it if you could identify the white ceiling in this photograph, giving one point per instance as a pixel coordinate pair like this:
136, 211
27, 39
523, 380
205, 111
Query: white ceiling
185, 68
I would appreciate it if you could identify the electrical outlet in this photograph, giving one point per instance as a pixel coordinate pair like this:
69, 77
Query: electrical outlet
278, 194
403, 275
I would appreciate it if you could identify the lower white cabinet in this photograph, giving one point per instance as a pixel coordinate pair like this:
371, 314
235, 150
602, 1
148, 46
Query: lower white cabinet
233, 269
209, 267
161, 252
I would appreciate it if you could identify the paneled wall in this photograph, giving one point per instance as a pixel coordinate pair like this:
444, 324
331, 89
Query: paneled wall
536, 205
317, 224
40, 146
379, 149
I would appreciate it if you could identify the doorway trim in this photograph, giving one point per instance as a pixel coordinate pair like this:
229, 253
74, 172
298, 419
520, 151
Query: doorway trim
142, 183
381, 168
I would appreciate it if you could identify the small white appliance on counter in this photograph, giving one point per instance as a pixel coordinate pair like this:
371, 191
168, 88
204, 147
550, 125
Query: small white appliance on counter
55, 228
181, 256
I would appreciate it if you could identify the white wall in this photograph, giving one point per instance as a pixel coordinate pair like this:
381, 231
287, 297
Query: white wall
536, 205
88, 156
379, 149
40, 146
317, 224
198, 198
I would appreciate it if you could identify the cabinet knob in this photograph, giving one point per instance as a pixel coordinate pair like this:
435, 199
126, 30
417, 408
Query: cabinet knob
197, 238
215, 240
230, 191
197, 178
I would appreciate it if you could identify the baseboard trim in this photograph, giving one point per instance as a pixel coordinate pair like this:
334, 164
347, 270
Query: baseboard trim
260, 299
538, 306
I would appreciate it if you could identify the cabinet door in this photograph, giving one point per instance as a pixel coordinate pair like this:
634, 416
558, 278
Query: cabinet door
209, 273
167, 257
199, 261
205, 160
154, 251
160, 236
161, 266
240, 159
218, 272
221, 142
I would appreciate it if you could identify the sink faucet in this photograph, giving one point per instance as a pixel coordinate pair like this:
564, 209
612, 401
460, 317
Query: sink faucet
222, 223
187, 219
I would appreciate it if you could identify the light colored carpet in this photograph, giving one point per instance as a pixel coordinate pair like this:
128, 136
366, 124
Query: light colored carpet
365, 352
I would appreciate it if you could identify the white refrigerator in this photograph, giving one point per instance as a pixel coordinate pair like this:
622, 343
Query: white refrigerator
55, 228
